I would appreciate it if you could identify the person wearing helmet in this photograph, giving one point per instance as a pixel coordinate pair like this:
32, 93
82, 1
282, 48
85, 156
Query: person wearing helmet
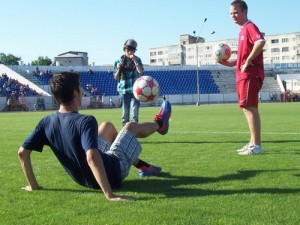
126, 71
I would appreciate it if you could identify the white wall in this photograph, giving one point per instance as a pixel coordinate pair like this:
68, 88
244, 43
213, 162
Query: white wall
49, 105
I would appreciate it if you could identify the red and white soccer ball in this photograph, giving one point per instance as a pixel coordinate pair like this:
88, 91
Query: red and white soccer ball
221, 52
145, 89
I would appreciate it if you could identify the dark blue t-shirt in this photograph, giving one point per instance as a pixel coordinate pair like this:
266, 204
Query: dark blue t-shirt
70, 135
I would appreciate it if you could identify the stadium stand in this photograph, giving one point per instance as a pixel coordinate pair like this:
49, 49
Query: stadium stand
12, 86
178, 84
172, 82
225, 80
103, 81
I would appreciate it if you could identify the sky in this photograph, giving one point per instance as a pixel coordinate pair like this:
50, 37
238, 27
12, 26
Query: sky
33, 28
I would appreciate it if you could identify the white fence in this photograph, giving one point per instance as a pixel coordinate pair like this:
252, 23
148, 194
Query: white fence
31, 103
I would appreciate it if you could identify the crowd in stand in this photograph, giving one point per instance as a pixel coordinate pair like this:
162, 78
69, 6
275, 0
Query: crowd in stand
45, 75
92, 90
14, 91
41, 73
9, 86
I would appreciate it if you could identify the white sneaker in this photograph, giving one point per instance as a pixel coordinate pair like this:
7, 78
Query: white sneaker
252, 150
244, 148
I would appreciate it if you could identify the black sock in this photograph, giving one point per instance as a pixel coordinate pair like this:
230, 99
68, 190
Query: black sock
141, 163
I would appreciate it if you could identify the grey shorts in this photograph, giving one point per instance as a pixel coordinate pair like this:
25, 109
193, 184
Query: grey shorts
125, 147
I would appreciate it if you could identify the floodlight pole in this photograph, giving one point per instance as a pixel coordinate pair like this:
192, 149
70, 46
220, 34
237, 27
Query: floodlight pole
197, 60
198, 76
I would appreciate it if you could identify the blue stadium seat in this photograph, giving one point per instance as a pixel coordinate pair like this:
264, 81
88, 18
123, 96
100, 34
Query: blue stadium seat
170, 81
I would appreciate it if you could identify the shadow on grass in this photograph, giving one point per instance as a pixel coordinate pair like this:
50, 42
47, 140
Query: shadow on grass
174, 186
87, 190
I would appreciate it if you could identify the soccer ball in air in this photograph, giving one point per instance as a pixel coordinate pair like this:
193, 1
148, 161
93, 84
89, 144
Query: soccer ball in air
145, 89
221, 52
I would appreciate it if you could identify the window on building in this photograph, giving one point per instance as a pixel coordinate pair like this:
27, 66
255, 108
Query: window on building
153, 61
275, 58
152, 53
160, 53
275, 49
200, 49
172, 59
285, 58
173, 50
298, 37
285, 40
274, 41
285, 49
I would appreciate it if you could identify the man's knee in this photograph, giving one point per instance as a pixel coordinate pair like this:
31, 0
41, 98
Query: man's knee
105, 126
130, 126
251, 109
108, 131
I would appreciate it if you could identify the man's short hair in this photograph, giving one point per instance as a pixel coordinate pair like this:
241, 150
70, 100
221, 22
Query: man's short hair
242, 4
63, 86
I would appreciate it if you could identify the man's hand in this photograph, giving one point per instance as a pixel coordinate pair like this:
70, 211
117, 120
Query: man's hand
120, 198
245, 65
29, 188
119, 65
227, 63
132, 56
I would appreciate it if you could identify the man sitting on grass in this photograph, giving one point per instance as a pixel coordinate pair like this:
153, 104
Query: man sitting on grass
96, 157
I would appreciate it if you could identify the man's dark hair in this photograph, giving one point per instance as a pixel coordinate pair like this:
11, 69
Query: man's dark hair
63, 86
242, 4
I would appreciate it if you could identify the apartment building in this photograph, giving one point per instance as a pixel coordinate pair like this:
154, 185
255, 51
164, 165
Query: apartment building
279, 49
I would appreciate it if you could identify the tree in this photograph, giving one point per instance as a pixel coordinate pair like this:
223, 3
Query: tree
9, 59
42, 61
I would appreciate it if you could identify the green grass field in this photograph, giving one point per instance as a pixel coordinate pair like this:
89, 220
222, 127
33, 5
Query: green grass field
204, 180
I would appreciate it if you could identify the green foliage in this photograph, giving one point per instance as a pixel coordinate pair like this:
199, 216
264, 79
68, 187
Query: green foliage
42, 61
9, 59
204, 181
